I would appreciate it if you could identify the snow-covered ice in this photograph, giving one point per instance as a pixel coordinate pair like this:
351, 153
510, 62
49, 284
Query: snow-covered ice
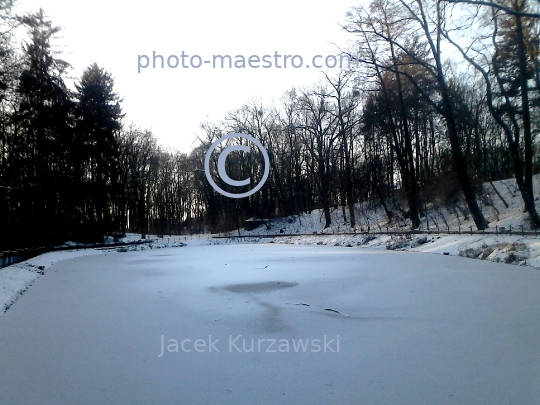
17, 278
509, 249
413, 329
380, 326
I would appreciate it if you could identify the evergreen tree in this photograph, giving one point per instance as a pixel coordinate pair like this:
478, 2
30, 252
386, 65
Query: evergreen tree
98, 122
43, 133
8, 77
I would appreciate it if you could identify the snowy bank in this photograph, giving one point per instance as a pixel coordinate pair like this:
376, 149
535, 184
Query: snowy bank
17, 278
517, 250
500, 201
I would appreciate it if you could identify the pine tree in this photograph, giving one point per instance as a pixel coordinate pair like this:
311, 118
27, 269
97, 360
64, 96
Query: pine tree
8, 78
44, 131
98, 121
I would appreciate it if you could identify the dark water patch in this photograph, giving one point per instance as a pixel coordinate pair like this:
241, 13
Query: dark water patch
254, 288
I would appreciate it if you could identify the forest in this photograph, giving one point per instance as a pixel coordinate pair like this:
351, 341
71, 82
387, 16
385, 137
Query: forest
445, 97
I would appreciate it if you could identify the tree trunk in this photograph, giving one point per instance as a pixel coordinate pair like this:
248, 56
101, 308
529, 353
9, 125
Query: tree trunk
527, 187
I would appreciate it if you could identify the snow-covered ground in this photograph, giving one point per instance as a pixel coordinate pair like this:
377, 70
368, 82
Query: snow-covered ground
510, 249
517, 250
370, 215
274, 324
504, 248
17, 278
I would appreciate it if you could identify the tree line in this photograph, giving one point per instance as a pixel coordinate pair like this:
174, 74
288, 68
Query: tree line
445, 97
59, 152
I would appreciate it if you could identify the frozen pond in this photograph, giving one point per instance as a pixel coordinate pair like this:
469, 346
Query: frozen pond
265, 324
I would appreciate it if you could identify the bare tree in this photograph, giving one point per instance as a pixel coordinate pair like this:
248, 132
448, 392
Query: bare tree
508, 65
425, 18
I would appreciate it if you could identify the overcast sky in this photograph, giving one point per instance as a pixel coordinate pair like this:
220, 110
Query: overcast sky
172, 102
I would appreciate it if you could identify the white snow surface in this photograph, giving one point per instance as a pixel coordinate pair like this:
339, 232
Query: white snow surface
413, 329
371, 214
512, 249
515, 249
17, 278
506, 248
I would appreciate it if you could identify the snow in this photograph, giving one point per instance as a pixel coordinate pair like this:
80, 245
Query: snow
16, 279
371, 214
517, 250
413, 329
512, 249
